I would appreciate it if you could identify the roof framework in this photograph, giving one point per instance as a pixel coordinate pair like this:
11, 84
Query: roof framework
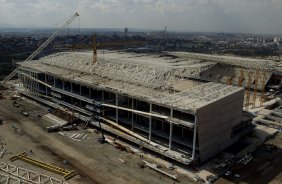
113, 69
199, 96
247, 63
136, 77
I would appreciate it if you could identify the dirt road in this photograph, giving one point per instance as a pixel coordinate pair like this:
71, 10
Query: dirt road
99, 162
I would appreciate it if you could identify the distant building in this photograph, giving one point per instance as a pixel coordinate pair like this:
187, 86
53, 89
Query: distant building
126, 32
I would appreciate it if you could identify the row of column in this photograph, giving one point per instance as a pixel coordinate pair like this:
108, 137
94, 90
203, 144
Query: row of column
150, 118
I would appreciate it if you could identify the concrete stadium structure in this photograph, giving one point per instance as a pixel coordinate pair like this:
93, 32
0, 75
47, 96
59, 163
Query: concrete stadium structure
231, 69
152, 101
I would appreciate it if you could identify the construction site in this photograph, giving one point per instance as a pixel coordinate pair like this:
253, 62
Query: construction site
172, 112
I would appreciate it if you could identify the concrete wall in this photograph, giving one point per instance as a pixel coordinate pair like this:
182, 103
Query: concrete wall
215, 122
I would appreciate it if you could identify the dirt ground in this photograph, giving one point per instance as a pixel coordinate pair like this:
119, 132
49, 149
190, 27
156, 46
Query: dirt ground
92, 161
265, 168
97, 163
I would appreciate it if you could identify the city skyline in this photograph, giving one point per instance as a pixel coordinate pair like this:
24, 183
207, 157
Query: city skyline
238, 16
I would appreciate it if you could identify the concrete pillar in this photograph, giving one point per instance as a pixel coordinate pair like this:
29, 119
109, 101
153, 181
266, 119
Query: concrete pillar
170, 136
38, 86
128, 113
45, 80
89, 92
103, 99
170, 131
150, 123
117, 109
194, 138
132, 107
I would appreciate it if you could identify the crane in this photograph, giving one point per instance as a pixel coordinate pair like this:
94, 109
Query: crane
161, 40
42, 46
94, 45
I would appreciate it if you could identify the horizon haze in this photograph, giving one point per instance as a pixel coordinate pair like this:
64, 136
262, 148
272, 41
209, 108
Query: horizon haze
230, 16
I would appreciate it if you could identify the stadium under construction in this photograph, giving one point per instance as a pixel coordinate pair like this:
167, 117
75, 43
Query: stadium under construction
185, 106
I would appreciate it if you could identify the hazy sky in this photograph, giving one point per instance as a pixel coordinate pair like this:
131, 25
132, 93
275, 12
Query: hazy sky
252, 16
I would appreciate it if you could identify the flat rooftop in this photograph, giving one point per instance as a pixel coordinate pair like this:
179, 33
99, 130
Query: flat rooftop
148, 77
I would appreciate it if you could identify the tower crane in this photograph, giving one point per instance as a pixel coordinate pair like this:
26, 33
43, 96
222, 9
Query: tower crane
94, 45
42, 46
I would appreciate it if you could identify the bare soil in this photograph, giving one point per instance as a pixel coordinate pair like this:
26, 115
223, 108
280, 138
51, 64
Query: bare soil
266, 167
94, 162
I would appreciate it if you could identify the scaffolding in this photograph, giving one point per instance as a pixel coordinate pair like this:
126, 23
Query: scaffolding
263, 82
229, 80
241, 78
19, 175
30, 82
23, 156
257, 74
248, 90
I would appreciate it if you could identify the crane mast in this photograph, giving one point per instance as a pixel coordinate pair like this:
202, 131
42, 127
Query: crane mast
95, 45
42, 46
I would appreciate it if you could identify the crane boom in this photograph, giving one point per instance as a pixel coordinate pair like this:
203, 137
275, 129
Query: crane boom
51, 38
42, 46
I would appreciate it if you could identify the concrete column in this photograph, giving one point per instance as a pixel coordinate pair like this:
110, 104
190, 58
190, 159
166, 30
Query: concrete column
128, 113
117, 109
132, 107
103, 99
170, 136
38, 86
170, 131
89, 92
150, 123
45, 80
194, 137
